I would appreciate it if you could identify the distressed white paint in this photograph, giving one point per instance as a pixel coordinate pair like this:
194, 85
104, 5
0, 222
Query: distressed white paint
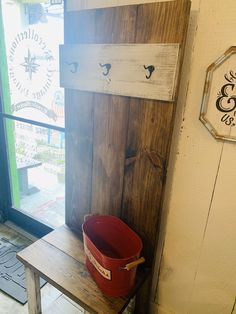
74, 5
199, 218
127, 76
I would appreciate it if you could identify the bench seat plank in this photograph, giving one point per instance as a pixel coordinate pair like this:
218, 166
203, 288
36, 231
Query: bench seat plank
59, 258
67, 241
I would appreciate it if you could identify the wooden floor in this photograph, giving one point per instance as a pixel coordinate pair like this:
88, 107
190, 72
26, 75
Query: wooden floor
53, 301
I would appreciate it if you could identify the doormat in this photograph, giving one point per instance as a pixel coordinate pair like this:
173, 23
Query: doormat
12, 272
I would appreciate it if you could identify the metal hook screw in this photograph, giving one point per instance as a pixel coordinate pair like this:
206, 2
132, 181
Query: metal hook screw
75, 66
151, 69
107, 66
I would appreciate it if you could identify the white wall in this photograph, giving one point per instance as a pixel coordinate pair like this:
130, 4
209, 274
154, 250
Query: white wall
198, 265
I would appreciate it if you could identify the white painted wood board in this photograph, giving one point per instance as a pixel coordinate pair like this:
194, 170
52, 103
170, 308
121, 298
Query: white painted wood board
198, 263
82, 67
74, 5
215, 282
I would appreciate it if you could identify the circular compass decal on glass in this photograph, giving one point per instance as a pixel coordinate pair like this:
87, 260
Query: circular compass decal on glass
31, 65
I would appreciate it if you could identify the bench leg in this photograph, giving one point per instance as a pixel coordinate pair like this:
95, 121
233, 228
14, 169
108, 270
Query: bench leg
33, 291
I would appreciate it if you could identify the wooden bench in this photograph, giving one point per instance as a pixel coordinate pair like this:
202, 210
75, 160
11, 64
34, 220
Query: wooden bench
59, 258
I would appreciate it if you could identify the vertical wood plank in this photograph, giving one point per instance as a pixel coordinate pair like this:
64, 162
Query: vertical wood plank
110, 124
113, 25
150, 128
79, 28
149, 134
79, 157
33, 291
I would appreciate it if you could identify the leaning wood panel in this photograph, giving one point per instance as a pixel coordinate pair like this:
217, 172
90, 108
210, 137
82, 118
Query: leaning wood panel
73, 5
145, 71
131, 136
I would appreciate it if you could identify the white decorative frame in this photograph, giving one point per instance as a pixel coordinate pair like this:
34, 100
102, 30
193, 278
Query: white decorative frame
218, 110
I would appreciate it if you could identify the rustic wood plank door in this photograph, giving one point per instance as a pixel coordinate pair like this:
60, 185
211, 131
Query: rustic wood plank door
117, 147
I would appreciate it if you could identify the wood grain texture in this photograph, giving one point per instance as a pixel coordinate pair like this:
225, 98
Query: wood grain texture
83, 67
73, 5
144, 177
62, 263
110, 123
79, 129
66, 240
99, 26
150, 128
33, 291
113, 25
79, 154
131, 136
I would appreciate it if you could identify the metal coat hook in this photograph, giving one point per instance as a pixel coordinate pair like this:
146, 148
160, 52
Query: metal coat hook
107, 66
151, 69
75, 66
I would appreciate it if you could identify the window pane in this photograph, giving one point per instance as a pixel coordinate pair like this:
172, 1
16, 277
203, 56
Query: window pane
37, 164
32, 58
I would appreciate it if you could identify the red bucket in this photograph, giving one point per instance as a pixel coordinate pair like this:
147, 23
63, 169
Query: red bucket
112, 254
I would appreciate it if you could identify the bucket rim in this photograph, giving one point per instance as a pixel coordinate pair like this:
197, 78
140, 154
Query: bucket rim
125, 259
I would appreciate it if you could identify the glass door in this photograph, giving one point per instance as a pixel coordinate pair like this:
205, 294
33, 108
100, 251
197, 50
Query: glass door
32, 112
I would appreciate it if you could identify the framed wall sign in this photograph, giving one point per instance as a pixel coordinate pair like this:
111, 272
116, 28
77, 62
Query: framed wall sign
218, 110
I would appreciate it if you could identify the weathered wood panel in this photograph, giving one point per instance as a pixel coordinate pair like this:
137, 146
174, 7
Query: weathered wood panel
73, 5
131, 137
145, 71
